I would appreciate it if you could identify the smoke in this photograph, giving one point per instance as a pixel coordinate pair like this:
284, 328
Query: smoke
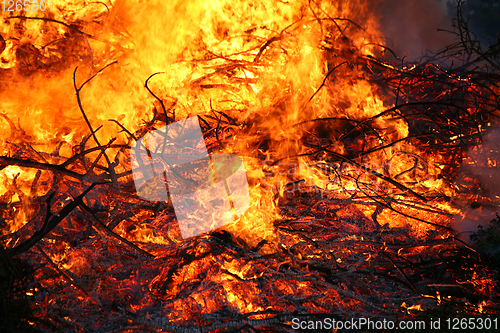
480, 174
411, 27
482, 17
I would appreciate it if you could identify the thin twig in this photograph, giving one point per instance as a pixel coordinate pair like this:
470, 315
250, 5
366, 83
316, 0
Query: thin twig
78, 90
50, 20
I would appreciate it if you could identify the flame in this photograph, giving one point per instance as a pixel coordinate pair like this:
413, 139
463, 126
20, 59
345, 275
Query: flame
271, 71
310, 122
214, 65
278, 71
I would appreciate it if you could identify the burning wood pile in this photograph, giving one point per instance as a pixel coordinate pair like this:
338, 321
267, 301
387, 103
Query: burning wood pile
358, 167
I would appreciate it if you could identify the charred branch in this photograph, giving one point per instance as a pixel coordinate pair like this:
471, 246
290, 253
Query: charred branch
51, 221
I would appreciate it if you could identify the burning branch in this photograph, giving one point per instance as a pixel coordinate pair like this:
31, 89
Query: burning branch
6, 161
51, 221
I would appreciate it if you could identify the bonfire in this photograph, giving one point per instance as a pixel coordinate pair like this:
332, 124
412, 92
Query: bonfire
358, 171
